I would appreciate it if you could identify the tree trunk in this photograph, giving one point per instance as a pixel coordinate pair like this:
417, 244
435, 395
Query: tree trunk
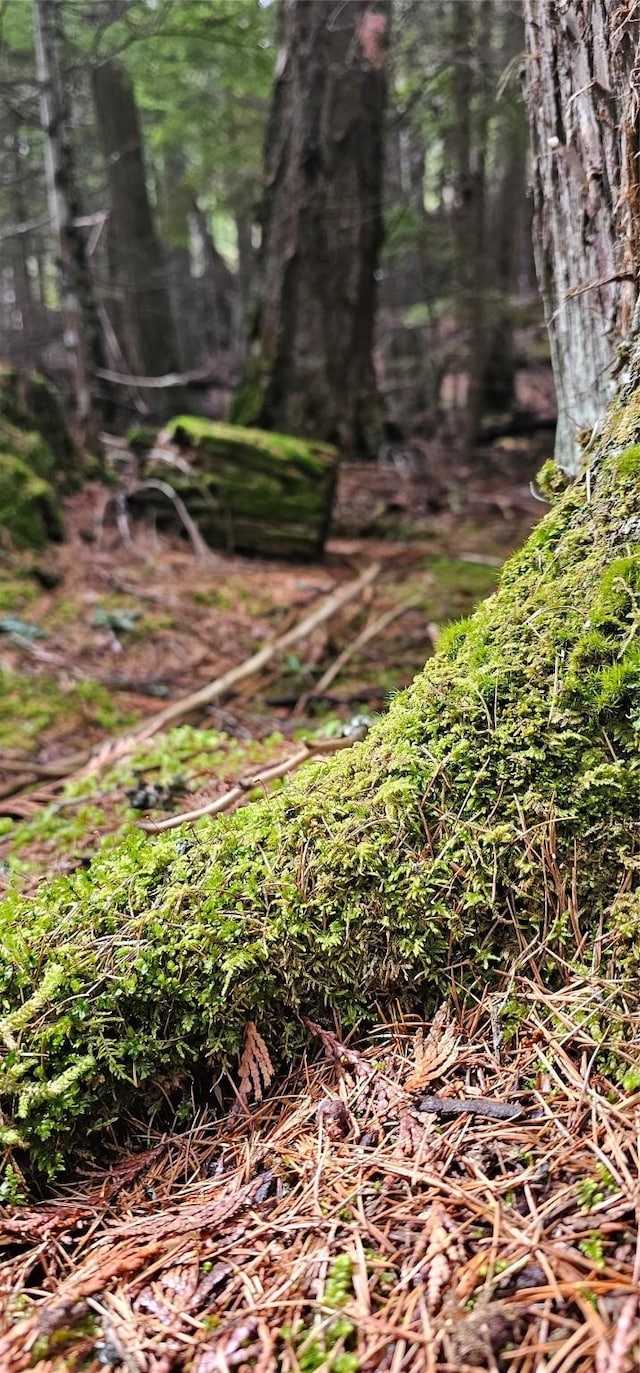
493, 811
23, 340
82, 335
219, 288
141, 273
584, 125
246, 272
474, 214
505, 219
311, 371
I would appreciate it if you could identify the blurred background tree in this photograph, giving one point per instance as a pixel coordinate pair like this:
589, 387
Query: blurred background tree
166, 110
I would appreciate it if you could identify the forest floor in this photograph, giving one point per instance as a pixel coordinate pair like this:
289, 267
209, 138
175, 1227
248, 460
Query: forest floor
136, 620
335, 1220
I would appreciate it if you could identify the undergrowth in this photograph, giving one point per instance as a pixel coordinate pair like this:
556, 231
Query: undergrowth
492, 811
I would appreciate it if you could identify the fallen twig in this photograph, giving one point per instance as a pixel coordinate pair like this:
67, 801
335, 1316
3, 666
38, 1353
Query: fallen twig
473, 1106
369, 632
241, 789
112, 750
200, 548
220, 686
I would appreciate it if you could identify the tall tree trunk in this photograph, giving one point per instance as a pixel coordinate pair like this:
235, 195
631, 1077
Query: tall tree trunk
82, 335
312, 370
505, 220
474, 226
23, 345
138, 257
245, 277
584, 125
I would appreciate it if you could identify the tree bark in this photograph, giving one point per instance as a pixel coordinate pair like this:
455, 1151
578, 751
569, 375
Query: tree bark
311, 370
583, 110
141, 272
505, 224
82, 335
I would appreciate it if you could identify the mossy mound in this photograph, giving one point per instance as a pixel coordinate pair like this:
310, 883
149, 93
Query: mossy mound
493, 810
251, 491
33, 468
30, 513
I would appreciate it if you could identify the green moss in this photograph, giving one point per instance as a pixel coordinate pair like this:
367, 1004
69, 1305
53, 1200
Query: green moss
551, 481
29, 512
500, 793
181, 756
32, 705
141, 438
44, 411
210, 436
29, 403
251, 490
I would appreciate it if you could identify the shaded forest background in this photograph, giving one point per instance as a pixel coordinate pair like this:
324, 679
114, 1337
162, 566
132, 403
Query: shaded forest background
167, 110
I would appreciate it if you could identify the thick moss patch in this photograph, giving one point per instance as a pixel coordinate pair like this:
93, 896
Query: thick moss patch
250, 490
37, 460
30, 514
494, 809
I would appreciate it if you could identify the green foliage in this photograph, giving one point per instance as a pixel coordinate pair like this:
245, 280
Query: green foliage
592, 1248
321, 1345
30, 705
29, 512
592, 1190
500, 788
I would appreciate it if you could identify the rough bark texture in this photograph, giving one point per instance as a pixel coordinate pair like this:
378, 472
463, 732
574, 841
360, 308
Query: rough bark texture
311, 369
583, 106
505, 226
82, 336
138, 260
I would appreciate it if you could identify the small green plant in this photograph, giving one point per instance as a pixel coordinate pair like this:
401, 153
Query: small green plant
591, 1191
592, 1248
320, 1345
11, 1192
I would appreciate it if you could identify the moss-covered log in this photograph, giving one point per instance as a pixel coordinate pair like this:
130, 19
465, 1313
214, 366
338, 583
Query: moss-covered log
493, 809
249, 490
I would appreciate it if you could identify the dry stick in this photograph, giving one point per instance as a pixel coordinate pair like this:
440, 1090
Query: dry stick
221, 685
200, 548
115, 749
369, 632
236, 793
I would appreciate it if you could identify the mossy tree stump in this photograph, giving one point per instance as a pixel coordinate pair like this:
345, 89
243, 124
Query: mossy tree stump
250, 491
492, 811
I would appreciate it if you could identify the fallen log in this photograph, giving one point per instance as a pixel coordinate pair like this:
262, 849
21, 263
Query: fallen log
248, 490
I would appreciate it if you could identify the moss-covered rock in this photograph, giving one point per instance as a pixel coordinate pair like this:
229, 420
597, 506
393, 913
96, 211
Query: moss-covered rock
45, 412
250, 490
494, 810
